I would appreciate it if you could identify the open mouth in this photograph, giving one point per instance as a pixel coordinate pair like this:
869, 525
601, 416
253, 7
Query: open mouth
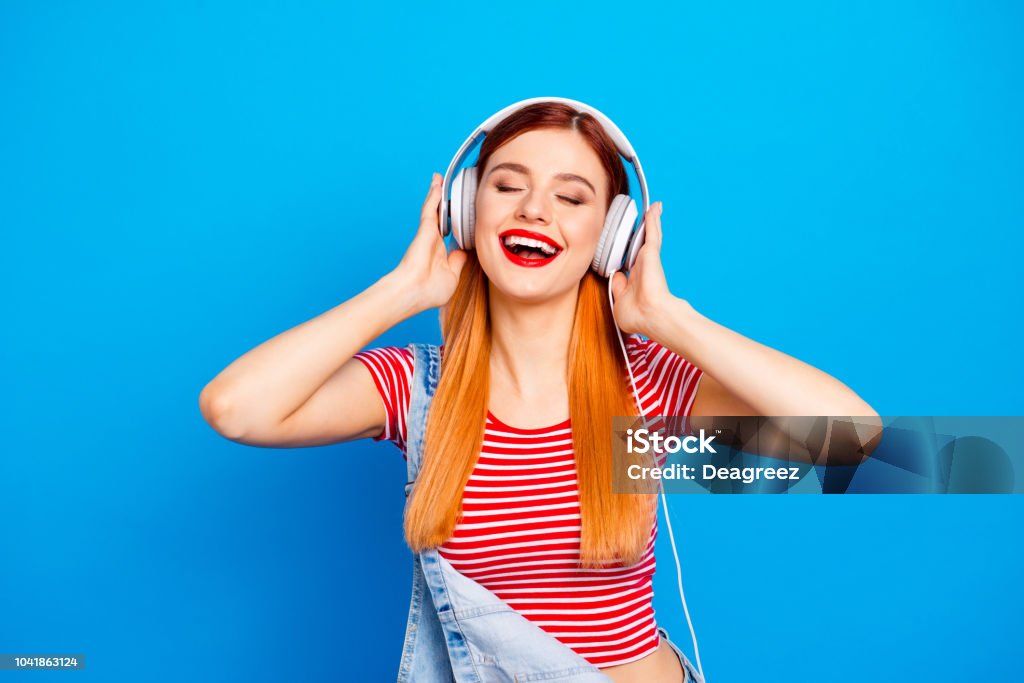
528, 249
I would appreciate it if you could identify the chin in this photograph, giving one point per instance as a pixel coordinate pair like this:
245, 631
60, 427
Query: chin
532, 287
524, 292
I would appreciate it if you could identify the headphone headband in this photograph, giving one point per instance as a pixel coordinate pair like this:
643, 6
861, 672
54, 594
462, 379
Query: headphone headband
616, 135
620, 140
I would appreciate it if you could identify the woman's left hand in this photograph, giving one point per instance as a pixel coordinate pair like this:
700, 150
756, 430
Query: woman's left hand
644, 295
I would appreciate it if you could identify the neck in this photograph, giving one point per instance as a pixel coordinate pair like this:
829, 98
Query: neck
530, 343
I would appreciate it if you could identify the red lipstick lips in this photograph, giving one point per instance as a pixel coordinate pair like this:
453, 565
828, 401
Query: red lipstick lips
552, 249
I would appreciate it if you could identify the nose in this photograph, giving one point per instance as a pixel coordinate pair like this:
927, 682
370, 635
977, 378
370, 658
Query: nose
533, 208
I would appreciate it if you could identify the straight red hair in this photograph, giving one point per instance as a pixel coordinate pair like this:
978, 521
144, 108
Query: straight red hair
614, 527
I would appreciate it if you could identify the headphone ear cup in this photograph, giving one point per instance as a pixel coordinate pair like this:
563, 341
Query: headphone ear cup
635, 242
618, 225
463, 207
455, 206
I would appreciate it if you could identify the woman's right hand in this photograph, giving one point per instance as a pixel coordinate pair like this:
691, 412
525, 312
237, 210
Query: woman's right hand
426, 268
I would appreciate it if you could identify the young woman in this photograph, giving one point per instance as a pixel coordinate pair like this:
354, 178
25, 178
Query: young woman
513, 493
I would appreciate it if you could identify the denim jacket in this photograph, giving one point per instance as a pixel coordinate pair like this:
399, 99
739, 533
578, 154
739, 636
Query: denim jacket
458, 631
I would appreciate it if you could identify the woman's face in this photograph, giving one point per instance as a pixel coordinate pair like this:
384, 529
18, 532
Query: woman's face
540, 206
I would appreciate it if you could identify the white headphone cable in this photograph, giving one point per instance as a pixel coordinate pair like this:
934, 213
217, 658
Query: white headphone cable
664, 502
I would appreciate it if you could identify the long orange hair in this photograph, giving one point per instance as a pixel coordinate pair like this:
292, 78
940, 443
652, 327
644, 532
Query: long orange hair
614, 527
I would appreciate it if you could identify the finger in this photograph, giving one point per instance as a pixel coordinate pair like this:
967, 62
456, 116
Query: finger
428, 233
650, 252
437, 213
431, 205
653, 223
619, 281
456, 260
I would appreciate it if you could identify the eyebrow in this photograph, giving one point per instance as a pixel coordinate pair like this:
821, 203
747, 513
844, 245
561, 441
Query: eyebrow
519, 168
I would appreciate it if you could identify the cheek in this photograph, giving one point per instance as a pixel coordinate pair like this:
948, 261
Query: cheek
488, 213
584, 232
487, 220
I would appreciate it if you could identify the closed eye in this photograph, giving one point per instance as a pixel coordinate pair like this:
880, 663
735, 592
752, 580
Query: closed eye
570, 200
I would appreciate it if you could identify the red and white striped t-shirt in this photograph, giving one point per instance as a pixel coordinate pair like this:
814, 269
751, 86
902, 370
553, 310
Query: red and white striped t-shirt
519, 534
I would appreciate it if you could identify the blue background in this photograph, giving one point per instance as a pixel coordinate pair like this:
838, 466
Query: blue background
180, 182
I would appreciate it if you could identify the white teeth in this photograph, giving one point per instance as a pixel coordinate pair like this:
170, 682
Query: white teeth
513, 240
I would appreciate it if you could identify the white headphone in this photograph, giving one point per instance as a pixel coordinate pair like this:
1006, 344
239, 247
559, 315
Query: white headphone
620, 239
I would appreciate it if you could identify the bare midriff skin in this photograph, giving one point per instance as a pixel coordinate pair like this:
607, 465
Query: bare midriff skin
661, 666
